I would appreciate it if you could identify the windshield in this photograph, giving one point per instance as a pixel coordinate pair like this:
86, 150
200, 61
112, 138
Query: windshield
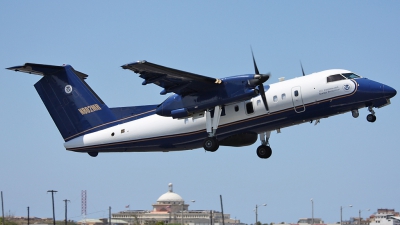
350, 75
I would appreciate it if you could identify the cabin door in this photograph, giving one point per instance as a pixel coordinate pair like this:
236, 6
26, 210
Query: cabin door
297, 99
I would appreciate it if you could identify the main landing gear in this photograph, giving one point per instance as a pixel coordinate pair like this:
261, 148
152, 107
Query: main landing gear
355, 113
211, 142
371, 117
264, 151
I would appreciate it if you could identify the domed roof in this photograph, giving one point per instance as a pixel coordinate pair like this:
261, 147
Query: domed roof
170, 196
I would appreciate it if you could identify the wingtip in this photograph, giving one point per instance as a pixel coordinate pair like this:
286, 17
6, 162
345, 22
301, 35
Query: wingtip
15, 68
126, 66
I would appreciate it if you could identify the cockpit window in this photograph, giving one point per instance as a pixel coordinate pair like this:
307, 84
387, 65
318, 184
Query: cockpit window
335, 77
350, 75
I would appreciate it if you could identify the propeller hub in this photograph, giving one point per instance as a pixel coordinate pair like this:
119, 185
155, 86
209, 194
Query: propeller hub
259, 79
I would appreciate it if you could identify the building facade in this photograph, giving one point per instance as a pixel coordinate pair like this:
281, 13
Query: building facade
171, 208
385, 217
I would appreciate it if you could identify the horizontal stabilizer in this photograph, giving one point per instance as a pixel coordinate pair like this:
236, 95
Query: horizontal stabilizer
41, 69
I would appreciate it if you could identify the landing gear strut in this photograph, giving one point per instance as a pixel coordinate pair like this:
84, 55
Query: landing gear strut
264, 151
371, 117
211, 142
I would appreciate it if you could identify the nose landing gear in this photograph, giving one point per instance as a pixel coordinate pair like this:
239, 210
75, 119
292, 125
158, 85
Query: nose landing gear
371, 117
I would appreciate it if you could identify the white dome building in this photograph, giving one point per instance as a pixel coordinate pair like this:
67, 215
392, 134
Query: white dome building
170, 208
170, 202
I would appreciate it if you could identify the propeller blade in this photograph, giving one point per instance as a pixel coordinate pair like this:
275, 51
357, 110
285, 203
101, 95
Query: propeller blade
262, 93
254, 62
302, 70
259, 79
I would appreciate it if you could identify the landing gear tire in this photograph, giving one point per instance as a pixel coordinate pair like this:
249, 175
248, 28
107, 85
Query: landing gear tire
211, 144
371, 118
264, 151
355, 113
93, 154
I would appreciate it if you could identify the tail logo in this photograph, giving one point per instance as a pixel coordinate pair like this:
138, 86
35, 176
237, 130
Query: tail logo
68, 89
89, 109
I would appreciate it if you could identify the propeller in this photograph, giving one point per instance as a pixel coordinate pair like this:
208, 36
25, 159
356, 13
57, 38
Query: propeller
259, 80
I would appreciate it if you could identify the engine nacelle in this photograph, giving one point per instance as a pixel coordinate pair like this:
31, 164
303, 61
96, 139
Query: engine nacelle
231, 90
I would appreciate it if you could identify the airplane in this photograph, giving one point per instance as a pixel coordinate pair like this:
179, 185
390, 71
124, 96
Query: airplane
201, 111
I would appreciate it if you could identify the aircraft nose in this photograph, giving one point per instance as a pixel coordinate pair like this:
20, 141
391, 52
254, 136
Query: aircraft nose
391, 92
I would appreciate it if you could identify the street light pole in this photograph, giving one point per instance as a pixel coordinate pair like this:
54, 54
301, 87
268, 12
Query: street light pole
341, 210
2, 207
312, 212
257, 212
66, 200
183, 203
182, 213
359, 215
52, 197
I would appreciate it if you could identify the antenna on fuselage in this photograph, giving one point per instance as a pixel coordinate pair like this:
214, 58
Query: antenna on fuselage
302, 70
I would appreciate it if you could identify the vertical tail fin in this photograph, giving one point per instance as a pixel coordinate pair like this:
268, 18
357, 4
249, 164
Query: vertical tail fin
74, 106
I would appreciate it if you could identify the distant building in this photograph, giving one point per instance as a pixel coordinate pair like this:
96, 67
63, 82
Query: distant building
101, 222
311, 220
356, 221
171, 208
385, 217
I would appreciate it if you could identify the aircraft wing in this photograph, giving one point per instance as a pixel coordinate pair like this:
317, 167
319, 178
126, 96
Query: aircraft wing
172, 80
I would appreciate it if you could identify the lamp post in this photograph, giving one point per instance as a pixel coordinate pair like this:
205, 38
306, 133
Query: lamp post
312, 212
182, 213
183, 204
341, 210
257, 212
66, 207
359, 215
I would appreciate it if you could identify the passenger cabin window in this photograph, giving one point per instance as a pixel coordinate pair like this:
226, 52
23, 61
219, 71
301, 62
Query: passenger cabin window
283, 96
350, 75
249, 107
275, 98
335, 77
236, 108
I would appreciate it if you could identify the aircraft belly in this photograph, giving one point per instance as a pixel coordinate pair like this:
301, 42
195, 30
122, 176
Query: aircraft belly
145, 128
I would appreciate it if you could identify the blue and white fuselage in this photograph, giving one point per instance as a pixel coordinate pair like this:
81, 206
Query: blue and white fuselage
141, 129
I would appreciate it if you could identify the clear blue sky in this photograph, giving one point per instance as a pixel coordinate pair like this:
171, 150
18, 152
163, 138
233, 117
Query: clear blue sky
340, 161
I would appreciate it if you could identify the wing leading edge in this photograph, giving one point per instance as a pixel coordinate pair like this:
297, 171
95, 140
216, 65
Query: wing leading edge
172, 80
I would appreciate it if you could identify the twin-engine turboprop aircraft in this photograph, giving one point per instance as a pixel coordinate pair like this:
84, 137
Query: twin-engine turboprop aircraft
203, 111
